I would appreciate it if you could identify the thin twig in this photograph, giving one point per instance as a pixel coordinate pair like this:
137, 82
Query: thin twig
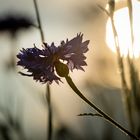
48, 95
39, 21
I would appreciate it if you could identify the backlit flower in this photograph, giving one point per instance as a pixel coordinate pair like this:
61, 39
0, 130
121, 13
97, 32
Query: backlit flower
73, 52
50, 63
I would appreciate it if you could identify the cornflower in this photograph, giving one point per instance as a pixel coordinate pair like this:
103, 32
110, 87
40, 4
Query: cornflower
51, 62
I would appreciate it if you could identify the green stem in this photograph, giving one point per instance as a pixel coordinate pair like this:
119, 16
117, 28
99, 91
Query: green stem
107, 117
48, 94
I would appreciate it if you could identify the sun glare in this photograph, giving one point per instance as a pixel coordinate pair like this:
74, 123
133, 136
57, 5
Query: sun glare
122, 24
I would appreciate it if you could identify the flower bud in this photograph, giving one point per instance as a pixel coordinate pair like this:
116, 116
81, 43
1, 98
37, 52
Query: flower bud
61, 69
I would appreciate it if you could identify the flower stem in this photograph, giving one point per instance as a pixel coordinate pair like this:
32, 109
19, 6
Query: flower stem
39, 21
48, 97
107, 117
48, 94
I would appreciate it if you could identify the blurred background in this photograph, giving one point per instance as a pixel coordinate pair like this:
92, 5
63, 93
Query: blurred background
23, 109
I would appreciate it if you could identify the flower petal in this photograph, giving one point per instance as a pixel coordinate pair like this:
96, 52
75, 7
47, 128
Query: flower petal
73, 52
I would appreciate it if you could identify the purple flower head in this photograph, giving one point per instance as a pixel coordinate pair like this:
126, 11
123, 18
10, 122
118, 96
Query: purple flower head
73, 52
50, 63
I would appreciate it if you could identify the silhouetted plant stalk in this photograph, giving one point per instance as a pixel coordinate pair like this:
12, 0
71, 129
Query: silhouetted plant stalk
132, 71
134, 76
126, 92
130, 10
48, 94
101, 113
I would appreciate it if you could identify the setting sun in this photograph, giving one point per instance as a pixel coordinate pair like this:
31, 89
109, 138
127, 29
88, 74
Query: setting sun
122, 24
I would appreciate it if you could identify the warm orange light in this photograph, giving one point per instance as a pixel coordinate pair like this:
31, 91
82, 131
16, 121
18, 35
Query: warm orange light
122, 24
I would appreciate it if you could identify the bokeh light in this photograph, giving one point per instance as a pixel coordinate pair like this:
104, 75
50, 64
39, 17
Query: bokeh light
122, 24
